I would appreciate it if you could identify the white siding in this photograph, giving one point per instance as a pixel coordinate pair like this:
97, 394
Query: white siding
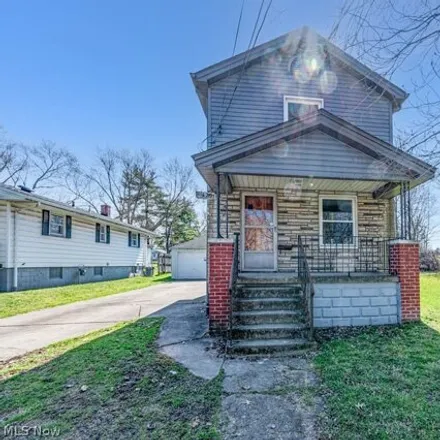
37, 250
3, 238
258, 102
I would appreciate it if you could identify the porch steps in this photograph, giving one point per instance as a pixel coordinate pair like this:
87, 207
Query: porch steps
268, 317
270, 346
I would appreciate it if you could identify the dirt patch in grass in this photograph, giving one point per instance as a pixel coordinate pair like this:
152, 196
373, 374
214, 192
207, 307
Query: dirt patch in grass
110, 384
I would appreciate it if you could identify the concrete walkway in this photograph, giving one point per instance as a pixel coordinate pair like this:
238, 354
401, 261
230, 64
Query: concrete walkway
23, 333
264, 399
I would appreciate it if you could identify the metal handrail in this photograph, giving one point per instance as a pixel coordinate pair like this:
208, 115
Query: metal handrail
233, 278
307, 285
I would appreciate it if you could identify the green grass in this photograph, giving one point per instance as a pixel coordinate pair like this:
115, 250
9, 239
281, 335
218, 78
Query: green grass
385, 382
132, 390
16, 303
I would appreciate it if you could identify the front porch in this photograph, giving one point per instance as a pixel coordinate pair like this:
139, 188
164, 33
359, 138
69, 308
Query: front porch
307, 199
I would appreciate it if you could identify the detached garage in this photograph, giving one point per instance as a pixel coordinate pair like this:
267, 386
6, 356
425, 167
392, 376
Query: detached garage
188, 260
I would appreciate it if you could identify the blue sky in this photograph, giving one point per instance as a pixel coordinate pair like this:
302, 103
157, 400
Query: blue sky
111, 73
89, 74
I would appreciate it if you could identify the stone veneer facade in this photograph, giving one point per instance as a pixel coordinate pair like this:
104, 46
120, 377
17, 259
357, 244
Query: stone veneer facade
298, 214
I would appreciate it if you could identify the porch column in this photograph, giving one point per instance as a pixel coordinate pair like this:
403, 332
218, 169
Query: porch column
405, 263
219, 235
220, 256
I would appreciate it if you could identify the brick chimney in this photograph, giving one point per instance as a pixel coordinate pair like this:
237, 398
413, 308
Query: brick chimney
106, 210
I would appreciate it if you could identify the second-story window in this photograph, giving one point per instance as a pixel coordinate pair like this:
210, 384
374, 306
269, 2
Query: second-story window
296, 107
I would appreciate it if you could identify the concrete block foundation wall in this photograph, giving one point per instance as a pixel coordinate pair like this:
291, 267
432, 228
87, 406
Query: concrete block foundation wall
356, 304
38, 277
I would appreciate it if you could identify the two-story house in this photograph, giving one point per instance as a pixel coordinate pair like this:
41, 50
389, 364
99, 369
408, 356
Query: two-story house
303, 172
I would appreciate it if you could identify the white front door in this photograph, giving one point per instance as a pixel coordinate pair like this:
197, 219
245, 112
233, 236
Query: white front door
258, 232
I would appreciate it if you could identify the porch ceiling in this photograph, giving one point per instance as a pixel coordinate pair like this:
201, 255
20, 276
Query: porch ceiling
298, 184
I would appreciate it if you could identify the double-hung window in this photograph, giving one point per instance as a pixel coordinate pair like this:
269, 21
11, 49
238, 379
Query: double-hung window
338, 220
56, 225
102, 237
296, 107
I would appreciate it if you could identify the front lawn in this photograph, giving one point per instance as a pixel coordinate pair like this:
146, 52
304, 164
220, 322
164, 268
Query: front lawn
17, 303
385, 382
109, 384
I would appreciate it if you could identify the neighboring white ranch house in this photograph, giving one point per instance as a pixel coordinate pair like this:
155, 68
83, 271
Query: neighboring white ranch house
45, 243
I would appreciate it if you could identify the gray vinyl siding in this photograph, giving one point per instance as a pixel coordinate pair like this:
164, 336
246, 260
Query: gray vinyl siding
259, 100
313, 155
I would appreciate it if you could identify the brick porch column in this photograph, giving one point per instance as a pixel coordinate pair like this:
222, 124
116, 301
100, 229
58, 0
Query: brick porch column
220, 254
405, 263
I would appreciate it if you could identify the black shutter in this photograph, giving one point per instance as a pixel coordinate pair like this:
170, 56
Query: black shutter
97, 231
129, 238
45, 222
139, 240
108, 234
68, 226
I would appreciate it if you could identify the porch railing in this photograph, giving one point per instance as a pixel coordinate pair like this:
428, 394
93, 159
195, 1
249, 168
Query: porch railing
233, 277
355, 254
305, 279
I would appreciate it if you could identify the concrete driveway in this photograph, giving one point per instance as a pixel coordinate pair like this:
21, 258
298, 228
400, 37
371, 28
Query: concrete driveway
23, 333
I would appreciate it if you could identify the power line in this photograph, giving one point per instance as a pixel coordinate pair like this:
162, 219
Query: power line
238, 28
252, 42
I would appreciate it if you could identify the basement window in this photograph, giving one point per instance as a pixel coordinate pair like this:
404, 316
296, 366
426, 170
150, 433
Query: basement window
55, 273
98, 271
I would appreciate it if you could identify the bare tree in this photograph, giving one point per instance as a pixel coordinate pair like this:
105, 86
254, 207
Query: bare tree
13, 162
48, 165
178, 181
394, 36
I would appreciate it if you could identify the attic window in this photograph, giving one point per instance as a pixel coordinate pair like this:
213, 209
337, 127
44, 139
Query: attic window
296, 107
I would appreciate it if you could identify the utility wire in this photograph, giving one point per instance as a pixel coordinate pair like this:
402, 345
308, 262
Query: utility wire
238, 28
252, 42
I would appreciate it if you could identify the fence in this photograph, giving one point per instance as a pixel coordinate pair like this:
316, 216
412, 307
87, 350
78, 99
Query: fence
163, 263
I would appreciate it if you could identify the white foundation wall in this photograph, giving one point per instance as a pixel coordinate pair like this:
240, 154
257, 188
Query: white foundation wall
356, 304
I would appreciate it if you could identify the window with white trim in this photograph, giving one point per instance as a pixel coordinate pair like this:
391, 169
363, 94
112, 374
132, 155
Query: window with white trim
338, 219
296, 107
102, 234
134, 240
56, 225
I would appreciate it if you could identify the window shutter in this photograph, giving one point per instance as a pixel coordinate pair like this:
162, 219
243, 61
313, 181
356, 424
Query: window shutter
129, 238
97, 230
108, 234
45, 222
139, 240
68, 226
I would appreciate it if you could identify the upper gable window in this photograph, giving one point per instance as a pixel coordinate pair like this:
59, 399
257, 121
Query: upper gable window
296, 107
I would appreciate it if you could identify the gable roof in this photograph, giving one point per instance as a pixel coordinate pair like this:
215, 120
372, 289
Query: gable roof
196, 243
403, 165
12, 194
291, 42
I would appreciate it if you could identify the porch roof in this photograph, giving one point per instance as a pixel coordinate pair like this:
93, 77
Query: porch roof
352, 155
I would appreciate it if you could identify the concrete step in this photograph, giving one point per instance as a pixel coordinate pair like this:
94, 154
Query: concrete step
287, 303
269, 346
268, 317
270, 331
267, 291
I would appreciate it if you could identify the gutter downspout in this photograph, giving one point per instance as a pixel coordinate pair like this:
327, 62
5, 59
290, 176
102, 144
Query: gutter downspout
8, 260
15, 264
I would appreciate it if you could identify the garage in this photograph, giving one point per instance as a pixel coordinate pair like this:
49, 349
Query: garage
188, 260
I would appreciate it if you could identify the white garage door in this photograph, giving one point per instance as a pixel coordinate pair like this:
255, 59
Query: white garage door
191, 265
